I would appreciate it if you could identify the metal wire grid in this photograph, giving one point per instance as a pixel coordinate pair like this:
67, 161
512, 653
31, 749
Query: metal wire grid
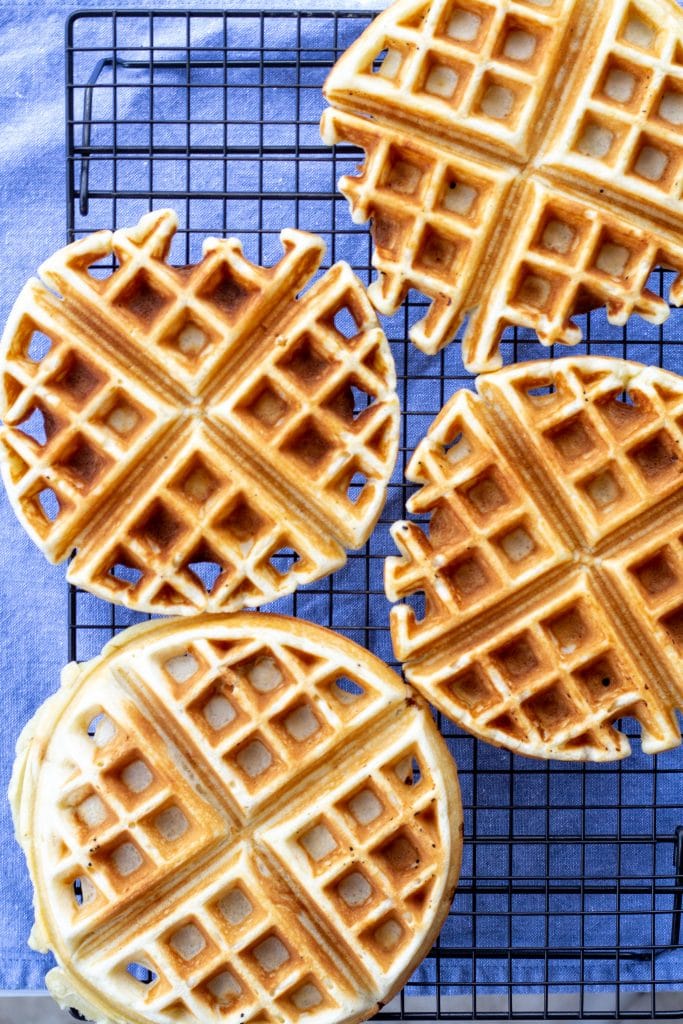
569, 904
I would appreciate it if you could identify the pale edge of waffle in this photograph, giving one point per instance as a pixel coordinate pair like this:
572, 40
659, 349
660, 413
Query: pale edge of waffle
251, 807
549, 556
190, 416
524, 162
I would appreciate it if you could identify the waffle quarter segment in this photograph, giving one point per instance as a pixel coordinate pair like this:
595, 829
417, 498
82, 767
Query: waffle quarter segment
622, 129
486, 534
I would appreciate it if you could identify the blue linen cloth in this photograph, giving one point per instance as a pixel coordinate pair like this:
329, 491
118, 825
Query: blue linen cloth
505, 797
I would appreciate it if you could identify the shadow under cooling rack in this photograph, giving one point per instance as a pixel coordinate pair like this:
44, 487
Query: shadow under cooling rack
569, 905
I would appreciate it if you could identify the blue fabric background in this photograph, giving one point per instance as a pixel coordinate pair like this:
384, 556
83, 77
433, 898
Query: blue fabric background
33, 636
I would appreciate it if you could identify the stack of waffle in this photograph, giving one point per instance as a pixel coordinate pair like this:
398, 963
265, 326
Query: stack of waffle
235, 816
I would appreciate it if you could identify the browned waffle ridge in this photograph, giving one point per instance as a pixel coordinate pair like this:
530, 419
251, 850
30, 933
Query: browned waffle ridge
524, 162
552, 565
251, 807
195, 417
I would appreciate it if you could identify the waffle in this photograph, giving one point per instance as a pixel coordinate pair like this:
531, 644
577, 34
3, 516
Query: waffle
523, 162
205, 439
551, 565
236, 818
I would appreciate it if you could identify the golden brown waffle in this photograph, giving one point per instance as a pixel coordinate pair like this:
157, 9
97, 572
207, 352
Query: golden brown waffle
551, 567
250, 807
205, 439
524, 162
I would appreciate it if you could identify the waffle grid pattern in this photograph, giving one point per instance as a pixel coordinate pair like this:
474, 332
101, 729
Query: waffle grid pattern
552, 675
462, 77
486, 534
629, 114
393, 843
567, 894
264, 711
471, 63
218, 952
137, 810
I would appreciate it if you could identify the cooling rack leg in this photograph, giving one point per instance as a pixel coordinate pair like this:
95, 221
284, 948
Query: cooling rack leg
678, 896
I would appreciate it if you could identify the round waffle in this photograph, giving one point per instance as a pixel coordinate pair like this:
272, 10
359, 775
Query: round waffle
238, 817
203, 437
551, 568
523, 161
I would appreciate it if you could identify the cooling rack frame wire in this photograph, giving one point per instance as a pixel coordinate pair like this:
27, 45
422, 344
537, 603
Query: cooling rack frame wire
569, 904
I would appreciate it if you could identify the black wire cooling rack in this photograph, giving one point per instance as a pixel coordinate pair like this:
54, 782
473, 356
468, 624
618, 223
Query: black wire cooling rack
569, 904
